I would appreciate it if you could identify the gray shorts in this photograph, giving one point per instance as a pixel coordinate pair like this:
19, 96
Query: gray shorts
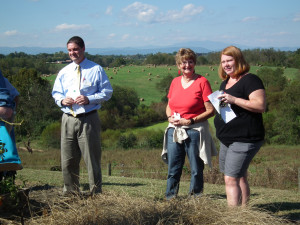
235, 159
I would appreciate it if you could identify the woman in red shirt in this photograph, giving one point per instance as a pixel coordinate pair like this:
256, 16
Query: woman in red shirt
188, 131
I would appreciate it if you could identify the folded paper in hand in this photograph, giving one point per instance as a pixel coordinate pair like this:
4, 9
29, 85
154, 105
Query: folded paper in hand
74, 93
226, 111
176, 116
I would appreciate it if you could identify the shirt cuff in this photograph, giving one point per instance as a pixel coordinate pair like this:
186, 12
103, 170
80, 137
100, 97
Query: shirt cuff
59, 102
92, 100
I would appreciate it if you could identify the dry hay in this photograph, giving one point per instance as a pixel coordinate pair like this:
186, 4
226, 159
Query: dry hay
111, 208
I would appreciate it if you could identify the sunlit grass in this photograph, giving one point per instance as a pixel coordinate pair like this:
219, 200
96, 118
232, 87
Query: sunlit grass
142, 197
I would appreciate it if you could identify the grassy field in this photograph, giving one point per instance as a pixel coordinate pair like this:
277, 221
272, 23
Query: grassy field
272, 167
134, 192
138, 176
267, 162
138, 77
271, 204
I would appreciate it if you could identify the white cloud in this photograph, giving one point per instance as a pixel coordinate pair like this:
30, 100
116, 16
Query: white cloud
117, 38
109, 10
297, 18
112, 35
249, 18
10, 32
185, 14
66, 26
192, 10
148, 13
142, 12
125, 36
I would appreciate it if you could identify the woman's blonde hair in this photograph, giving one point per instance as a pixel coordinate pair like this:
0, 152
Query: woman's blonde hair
185, 54
240, 63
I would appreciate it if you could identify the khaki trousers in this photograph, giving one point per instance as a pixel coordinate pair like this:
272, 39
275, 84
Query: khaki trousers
81, 137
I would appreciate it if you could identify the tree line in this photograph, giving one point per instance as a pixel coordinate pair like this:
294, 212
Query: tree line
42, 62
40, 114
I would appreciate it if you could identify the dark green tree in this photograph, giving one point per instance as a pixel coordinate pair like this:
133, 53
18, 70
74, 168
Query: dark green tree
201, 60
36, 107
287, 122
119, 110
122, 98
160, 59
118, 62
164, 86
274, 82
272, 79
294, 59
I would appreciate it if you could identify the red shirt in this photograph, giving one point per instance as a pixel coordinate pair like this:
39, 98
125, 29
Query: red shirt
189, 102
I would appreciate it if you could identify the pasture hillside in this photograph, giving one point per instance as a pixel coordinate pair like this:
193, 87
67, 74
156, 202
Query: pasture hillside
144, 78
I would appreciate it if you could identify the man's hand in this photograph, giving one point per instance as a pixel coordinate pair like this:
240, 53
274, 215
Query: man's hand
68, 101
82, 100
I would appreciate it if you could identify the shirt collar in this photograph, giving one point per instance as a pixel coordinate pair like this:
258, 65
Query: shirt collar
81, 64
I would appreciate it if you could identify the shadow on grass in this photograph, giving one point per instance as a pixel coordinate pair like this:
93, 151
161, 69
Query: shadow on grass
220, 196
216, 196
85, 186
42, 187
122, 184
27, 207
283, 206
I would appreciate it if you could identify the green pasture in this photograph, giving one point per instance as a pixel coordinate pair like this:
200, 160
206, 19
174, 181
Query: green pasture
144, 78
138, 77
158, 126
162, 126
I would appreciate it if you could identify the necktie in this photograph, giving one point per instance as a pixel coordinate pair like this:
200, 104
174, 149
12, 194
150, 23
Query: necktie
72, 111
78, 76
78, 79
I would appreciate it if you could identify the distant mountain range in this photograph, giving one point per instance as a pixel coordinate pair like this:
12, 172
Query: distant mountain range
199, 47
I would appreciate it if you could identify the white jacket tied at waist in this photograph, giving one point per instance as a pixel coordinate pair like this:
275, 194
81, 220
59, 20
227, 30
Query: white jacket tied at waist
207, 148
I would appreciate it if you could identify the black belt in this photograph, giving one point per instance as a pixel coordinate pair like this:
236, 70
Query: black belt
82, 114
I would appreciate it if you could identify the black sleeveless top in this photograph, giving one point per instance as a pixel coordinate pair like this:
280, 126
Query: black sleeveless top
248, 126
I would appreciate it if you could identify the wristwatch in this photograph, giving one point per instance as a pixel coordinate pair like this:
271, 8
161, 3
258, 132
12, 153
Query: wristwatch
192, 121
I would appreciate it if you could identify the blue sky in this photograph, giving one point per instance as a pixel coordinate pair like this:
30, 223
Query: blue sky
125, 23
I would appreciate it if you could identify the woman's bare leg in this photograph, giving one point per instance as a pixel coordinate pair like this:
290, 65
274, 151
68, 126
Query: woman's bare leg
244, 185
233, 190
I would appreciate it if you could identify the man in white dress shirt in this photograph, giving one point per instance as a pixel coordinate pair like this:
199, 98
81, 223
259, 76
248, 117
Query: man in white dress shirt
79, 89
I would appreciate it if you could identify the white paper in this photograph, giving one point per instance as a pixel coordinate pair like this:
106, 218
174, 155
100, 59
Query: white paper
74, 93
176, 116
226, 112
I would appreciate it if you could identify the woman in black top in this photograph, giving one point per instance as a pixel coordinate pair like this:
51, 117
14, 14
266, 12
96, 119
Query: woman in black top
242, 137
